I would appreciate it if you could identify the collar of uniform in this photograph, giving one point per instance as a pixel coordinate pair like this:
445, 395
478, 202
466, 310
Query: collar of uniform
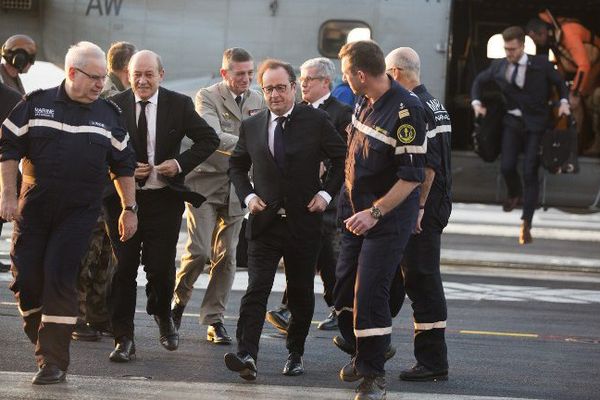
153, 99
419, 89
116, 81
389, 93
63, 97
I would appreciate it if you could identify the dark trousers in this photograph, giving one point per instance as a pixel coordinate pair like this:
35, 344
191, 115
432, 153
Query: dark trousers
328, 255
264, 253
159, 222
364, 274
421, 278
49, 239
516, 139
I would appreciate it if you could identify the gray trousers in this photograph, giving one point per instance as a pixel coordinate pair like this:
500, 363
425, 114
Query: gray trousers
212, 238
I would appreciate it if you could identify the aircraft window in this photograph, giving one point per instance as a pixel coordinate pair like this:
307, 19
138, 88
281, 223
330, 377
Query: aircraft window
495, 46
334, 34
16, 4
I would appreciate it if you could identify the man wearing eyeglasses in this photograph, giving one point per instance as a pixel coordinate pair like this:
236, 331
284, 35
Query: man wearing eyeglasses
214, 227
284, 145
67, 139
316, 77
159, 119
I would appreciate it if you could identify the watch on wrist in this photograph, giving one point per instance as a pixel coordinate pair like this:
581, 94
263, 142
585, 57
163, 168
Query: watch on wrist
133, 208
375, 212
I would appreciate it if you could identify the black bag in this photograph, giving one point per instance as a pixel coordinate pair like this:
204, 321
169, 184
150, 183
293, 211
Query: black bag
559, 149
487, 135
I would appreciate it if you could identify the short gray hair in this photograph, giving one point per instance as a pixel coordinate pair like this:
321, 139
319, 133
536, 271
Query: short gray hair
404, 58
80, 53
324, 66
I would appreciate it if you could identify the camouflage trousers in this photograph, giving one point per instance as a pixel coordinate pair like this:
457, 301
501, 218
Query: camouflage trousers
97, 269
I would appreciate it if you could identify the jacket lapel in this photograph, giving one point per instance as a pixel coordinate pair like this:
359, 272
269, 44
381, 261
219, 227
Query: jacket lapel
162, 124
229, 101
263, 128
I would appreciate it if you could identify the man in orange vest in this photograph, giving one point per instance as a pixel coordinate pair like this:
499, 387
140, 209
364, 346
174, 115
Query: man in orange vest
577, 50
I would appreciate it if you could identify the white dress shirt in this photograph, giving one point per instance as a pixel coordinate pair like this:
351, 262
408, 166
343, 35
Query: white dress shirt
320, 101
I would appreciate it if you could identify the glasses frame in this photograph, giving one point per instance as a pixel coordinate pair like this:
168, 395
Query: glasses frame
277, 88
92, 77
309, 79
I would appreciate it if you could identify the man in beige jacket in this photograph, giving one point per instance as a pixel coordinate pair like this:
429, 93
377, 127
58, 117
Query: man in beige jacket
214, 227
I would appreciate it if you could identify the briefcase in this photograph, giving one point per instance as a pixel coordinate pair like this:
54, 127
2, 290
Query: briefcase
559, 148
487, 135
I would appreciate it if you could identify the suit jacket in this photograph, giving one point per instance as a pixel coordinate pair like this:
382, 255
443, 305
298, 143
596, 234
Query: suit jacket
340, 114
175, 119
309, 137
533, 98
218, 108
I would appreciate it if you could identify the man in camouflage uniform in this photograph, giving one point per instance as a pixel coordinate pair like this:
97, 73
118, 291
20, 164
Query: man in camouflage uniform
97, 266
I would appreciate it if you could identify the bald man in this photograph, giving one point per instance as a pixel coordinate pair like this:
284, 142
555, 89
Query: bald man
18, 55
158, 120
421, 263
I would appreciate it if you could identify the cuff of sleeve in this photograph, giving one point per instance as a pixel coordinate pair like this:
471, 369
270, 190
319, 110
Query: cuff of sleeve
564, 101
475, 103
178, 166
249, 197
326, 196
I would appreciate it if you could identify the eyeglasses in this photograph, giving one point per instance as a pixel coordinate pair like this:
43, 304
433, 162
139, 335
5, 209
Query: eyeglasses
309, 79
92, 77
390, 70
278, 88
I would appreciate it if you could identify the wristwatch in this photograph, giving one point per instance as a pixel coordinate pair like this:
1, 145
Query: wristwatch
133, 208
375, 212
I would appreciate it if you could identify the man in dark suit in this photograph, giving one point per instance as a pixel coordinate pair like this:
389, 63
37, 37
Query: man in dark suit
284, 145
525, 81
316, 77
157, 119
8, 99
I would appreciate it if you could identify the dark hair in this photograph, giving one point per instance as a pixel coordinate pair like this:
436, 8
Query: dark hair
119, 55
271, 63
536, 25
364, 55
235, 54
512, 33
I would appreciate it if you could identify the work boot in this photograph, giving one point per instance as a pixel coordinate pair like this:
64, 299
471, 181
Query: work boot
85, 332
510, 203
525, 234
371, 388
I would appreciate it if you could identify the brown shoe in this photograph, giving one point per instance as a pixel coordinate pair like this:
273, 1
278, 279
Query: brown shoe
525, 234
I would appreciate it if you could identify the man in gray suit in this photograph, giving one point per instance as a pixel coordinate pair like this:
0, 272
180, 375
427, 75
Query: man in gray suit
214, 227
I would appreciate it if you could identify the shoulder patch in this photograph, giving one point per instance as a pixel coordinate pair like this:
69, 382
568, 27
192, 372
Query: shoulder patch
406, 133
115, 106
403, 113
33, 94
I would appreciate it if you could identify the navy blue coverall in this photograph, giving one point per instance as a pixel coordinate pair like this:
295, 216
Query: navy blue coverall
67, 148
386, 142
420, 275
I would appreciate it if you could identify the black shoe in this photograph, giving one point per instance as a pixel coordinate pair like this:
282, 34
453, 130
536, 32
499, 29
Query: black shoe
177, 313
330, 323
85, 332
280, 319
348, 373
169, 337
371, 388
421, 373
294, 365
341, 344
103, 328
245, 365
124, 350
4, 267
217, 334
49, 374
510, 203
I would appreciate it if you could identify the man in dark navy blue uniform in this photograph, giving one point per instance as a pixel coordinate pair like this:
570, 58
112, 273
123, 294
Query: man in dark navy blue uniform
420, 275
379, 204
67, 139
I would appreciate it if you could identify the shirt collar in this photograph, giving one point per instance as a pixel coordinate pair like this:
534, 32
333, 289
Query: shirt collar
153, 99
523, 59
236, 95
287, 114
61, 95
389, 93
320, 101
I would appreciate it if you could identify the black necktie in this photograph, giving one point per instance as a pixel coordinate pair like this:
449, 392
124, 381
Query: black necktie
142, 133
278, 147
513, 77
238, 99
